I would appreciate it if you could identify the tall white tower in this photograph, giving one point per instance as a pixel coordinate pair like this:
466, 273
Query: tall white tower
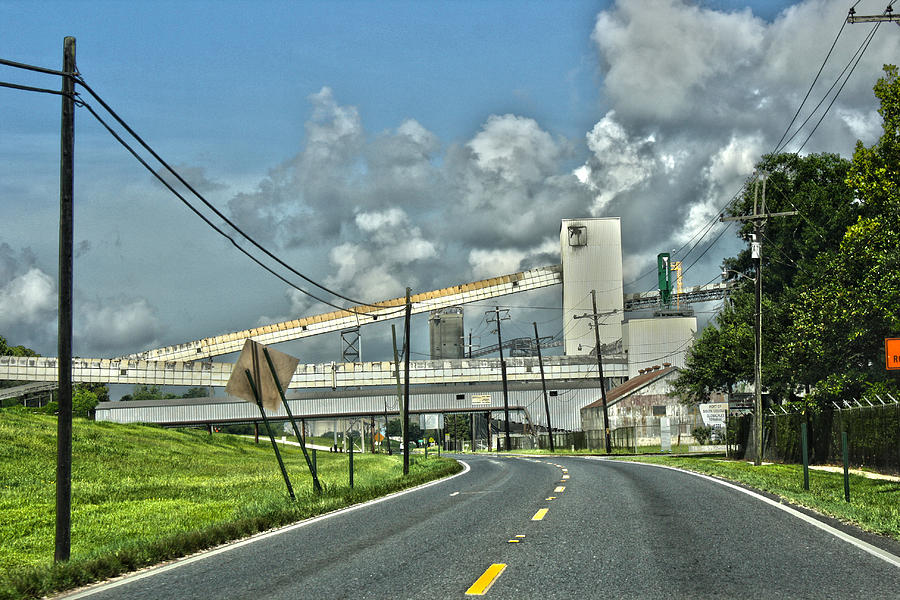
591, 251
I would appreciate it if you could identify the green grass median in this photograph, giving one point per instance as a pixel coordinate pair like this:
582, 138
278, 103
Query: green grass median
142, 495
874, 503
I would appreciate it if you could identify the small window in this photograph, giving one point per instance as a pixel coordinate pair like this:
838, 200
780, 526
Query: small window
554, 393
460, 396
659, 411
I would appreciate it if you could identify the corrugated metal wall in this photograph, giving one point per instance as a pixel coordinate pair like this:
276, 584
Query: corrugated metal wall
595, 265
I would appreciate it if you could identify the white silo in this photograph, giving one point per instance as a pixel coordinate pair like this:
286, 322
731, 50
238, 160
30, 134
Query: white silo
591, 251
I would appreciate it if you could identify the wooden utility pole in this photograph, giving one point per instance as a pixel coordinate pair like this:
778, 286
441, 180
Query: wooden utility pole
405, 419
64, 335
606, 434
537, 341
758, 218
498, 318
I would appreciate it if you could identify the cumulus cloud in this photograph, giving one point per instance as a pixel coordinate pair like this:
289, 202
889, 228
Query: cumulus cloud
194, 175
692, 97
116, 325
29, 300
696, 95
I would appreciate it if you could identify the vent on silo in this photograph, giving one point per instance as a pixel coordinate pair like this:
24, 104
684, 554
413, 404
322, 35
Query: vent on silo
577, 235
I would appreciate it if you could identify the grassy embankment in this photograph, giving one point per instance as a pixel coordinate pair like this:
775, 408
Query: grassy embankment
142, 495
874, 503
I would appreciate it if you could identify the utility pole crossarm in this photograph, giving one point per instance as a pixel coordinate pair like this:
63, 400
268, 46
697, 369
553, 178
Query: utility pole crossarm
759, 217
851, 18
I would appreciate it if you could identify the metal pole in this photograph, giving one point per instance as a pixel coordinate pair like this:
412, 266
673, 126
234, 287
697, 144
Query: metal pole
804, 448
262, 411
316, 486
606, 438
846, 454
537, 341
473, 433
351, 461
63, 540
405, 419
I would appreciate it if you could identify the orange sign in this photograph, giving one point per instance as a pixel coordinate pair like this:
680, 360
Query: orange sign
892, 353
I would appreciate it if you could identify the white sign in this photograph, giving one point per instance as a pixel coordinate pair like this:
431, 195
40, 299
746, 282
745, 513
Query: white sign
481, 399
665, 434
714, 414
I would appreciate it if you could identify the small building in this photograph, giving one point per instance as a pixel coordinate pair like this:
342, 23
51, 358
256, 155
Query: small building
635, 408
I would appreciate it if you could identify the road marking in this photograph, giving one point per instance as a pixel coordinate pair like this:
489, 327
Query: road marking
551, 497
565, 476
487, 579
559, 488
522, 536
454, 494
102, 587
565, 470
539, 515
864, 546
513, 541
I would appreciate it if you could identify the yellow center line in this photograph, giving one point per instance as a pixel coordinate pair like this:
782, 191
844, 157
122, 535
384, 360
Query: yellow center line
539, 515
565, 476
559, 488
551, 497
484, 583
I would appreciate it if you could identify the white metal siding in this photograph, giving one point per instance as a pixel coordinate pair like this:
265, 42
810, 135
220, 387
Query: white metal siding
594, 266
650, 342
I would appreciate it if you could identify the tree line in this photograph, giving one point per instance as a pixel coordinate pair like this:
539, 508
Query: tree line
831, 278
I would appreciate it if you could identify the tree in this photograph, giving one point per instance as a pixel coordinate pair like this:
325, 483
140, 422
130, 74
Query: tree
723, 355
842, 323
84, 400
458, 426
196, 392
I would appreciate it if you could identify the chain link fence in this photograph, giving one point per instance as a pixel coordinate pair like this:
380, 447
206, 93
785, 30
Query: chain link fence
873, 434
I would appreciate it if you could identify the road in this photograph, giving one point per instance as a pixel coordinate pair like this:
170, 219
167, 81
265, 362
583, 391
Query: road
616, 530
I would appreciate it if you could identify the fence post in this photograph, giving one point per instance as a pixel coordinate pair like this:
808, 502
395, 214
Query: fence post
804, 449
846, 466
351, 462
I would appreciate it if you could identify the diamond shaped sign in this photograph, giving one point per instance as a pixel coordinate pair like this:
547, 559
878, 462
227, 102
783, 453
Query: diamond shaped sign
252, 359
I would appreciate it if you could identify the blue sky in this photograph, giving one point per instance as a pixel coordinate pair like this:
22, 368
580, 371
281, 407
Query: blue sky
376, 145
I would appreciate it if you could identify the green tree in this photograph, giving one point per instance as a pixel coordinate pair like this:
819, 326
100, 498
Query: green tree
842, 322
84, 400
196, 392
815, 186
458, 426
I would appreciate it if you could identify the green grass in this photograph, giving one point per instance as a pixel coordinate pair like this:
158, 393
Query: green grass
874, 503
141, 495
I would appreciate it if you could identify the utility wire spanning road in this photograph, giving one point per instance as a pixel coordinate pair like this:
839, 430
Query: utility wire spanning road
548, 527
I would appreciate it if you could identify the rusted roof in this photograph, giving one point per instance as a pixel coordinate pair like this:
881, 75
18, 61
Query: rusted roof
630, 387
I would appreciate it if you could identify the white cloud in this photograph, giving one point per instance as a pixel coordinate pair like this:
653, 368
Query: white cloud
117, 325
27, 299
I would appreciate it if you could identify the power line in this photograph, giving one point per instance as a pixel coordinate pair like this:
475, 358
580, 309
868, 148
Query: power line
28, 88
209, 205
205, 219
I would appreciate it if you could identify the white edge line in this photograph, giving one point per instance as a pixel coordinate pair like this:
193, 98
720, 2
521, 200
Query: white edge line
102, 587
865, 546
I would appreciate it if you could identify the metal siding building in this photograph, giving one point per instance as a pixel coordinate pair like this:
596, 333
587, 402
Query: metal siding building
525, 400
651, 342
591, 251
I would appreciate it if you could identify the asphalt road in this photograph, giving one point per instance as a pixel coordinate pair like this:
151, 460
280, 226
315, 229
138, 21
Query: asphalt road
617, 530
